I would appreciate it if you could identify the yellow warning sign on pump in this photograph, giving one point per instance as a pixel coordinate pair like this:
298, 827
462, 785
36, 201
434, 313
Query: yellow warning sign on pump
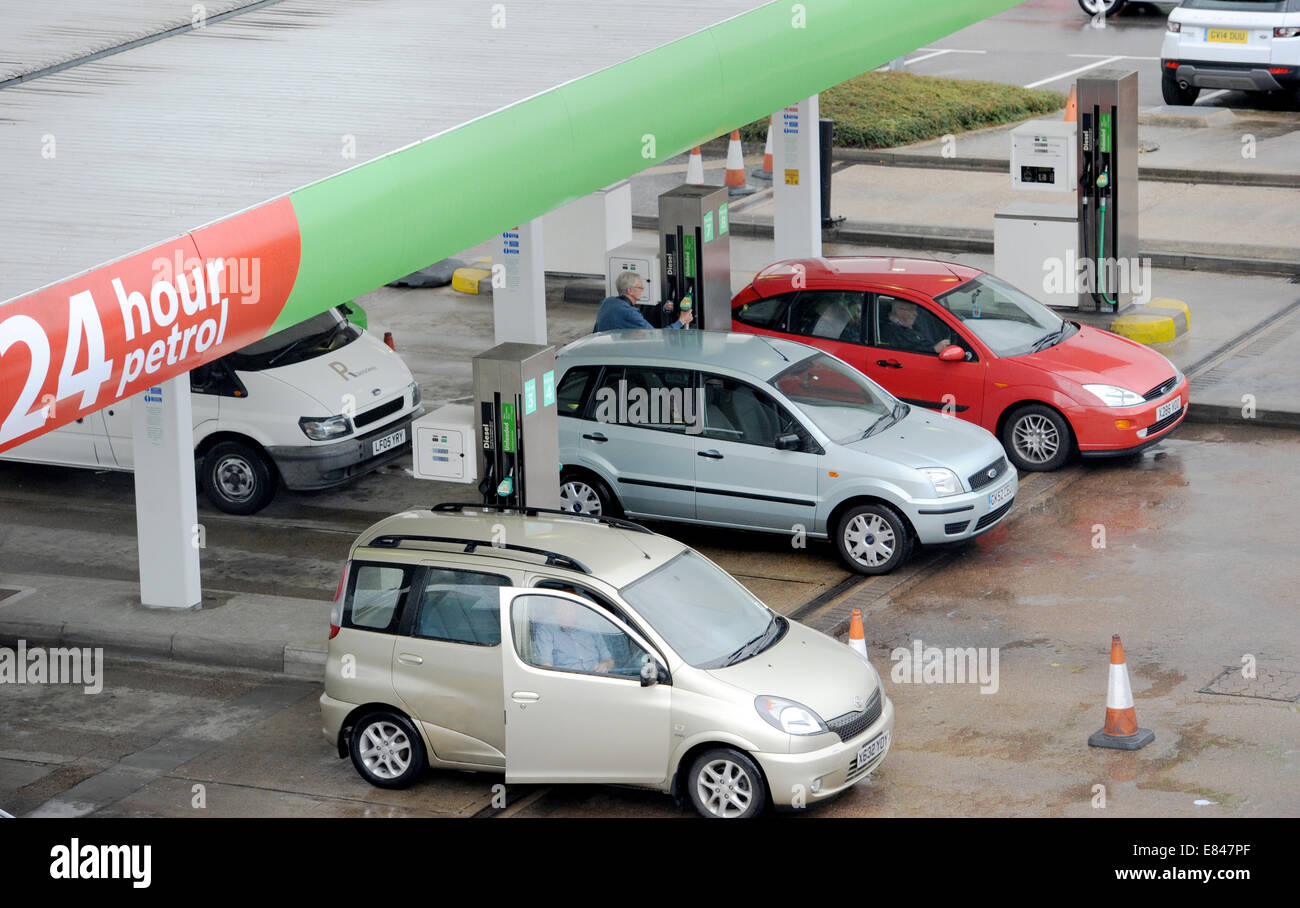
792, 178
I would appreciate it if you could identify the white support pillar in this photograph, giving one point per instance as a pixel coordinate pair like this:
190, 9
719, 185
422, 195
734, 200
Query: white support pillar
796, 182
519, 286
166, 512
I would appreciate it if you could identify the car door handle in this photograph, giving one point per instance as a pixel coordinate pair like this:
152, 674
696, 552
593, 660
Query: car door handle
711, 454
889, 363
410, 658
525, 696
595, 436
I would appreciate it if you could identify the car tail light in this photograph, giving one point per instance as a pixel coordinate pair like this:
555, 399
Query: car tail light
1171, 64
1286, 31
1173, 26
1279, 70
336, 610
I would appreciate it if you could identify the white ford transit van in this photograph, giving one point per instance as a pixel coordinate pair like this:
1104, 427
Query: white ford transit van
309, 407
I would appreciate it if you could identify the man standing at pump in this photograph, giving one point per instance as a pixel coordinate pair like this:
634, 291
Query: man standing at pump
619, 313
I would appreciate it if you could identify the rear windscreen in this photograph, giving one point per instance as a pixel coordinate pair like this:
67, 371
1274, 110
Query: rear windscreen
1245, 6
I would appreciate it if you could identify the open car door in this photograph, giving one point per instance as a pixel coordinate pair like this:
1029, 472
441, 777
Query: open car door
577, 706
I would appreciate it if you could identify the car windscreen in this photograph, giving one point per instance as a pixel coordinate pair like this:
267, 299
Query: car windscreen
314, 337
839, 399
1009, 321
1245, 6
704, 614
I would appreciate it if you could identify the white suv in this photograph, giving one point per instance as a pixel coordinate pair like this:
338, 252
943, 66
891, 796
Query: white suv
1244, 45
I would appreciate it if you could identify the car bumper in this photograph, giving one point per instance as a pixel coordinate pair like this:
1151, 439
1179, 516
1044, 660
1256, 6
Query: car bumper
332, 714
1100, 432
790, 777
309, 467
960, 517
1236, 76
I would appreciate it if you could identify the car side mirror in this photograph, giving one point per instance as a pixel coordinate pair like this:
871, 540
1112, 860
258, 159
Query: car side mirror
652, 672
790, 442
952, 354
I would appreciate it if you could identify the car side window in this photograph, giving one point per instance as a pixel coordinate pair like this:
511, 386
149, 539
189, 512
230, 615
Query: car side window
376, 596
563, 635
735, 411
765, 313
828, 314
911, 328
571, 395
460, 607
653, 398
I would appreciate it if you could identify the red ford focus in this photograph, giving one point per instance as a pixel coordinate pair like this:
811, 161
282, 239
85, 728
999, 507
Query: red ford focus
959, 340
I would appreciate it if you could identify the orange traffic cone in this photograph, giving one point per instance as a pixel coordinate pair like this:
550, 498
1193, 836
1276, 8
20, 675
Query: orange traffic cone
857, 639
695, 168
1121, 729
735, 180
765, 172
1072, 106
388, 339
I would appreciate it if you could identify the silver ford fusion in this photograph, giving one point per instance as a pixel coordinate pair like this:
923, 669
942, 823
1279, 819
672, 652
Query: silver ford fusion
757, 433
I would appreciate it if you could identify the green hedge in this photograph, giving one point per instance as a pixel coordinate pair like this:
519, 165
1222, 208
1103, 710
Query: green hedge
887, 109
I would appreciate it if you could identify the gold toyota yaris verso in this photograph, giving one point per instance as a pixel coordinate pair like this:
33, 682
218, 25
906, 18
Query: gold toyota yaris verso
628, 659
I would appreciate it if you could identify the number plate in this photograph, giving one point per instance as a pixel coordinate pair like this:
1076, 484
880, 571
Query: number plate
872, 749
998, 496
1227, 36
1169, 409
388, 442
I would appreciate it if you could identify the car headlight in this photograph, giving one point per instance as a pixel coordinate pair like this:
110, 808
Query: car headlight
415, 393
945, 482
324, 428
788, 716
1112, 396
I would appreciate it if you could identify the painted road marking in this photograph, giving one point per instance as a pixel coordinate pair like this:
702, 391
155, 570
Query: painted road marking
1073, 72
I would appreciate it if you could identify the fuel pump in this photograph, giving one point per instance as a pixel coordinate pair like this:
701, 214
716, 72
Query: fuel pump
518, 445
695, 249
1107, 186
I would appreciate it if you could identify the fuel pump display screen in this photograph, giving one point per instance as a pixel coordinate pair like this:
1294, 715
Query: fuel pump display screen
1037, 174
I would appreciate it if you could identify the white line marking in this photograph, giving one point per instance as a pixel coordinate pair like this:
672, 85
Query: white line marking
1073, 72
953, 50
933, 53
1121, 57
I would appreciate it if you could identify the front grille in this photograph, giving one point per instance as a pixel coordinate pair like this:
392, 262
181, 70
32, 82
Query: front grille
1165, 423
980, 478
993, 517
850, 725
1161, 390
375, 414
952, 529
856, 772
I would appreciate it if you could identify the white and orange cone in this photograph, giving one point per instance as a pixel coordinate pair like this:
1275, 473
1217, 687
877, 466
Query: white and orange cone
388, 339
1121, 729
857, 638
695, 168
765, 172
1072, 105
735, 180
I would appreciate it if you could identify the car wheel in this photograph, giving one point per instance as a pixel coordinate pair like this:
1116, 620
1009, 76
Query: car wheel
1174, 93
582, 493
387, 751
873, 539
1109, 7
1037, 438
237, 479
726, 784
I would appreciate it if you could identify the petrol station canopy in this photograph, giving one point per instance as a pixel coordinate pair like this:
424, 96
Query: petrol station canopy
357, 141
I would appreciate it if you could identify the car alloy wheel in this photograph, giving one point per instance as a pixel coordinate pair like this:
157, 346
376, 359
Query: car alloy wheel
579, 498
870, 539
386, 750
1109, 7
1036, 439
727, 785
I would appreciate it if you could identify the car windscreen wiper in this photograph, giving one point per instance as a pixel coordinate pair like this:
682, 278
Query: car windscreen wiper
285, 352
1052, 338
893, 415
742, 652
